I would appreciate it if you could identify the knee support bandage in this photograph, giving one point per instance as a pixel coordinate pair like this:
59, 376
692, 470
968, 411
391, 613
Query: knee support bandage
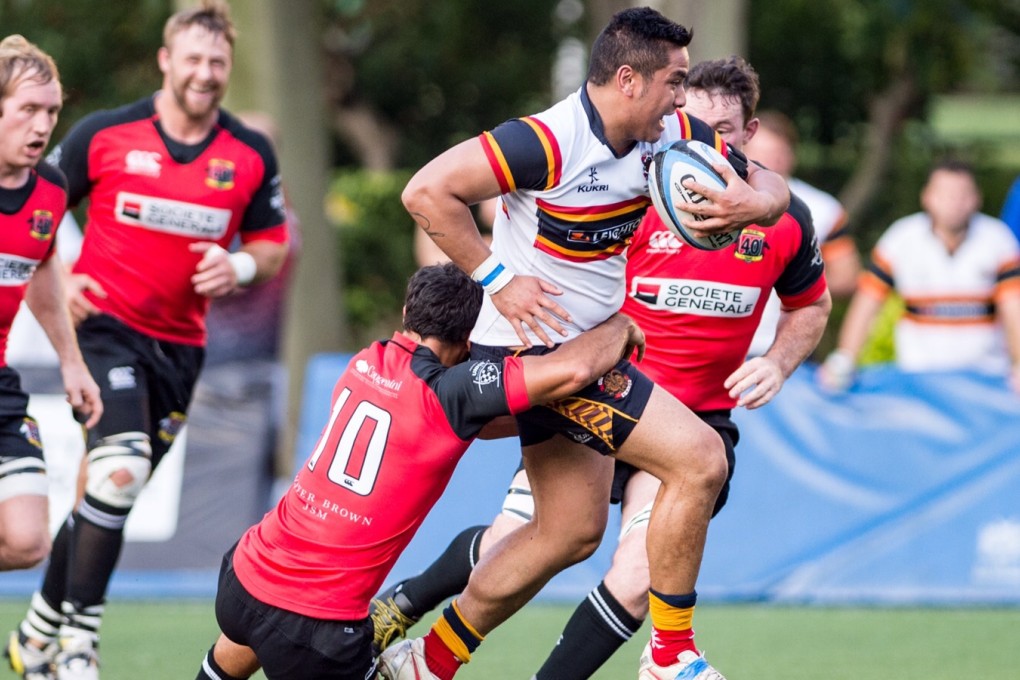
118, 467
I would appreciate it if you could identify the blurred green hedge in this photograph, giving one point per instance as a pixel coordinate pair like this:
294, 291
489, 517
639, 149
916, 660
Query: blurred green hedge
375, 253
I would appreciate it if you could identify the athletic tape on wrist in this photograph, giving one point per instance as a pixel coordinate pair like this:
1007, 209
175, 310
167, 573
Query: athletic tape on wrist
244, 267
492, 275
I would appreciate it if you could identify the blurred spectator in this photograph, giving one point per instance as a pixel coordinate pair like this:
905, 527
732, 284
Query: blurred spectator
1011, 208
958, 271
774, 145
426, 252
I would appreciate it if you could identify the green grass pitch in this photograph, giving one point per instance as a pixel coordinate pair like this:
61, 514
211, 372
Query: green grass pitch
166, 640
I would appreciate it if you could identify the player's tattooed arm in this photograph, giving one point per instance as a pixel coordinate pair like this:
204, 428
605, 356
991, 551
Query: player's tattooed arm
427, 226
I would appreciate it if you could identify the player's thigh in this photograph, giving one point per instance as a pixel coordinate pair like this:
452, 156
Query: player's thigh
237, 660
124, 385
670, 441
24, 507
24, 523
570, 484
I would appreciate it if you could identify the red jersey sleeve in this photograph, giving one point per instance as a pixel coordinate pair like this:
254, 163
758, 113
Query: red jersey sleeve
516, 389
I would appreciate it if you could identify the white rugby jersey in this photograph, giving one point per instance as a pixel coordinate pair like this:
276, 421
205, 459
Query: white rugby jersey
827, 213
829, 219
570, 207
950, 298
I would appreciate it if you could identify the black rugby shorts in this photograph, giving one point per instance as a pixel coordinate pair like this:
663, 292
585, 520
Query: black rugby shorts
601, 416
292, 646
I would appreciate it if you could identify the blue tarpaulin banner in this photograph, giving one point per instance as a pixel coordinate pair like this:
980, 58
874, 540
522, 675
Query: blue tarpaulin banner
905, 489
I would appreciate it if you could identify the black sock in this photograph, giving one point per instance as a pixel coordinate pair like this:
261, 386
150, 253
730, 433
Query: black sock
211, 670
54, 585
94, 552
445, 577
598, 627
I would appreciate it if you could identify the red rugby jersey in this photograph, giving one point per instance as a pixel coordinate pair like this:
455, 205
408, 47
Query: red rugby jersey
399, 423
150, 197
699, 308
29, 217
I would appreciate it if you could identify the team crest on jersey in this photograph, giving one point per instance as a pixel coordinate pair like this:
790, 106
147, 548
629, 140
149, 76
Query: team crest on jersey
485, 373
30, 431
616, 384
41, 225
170, 426
219, 174
750, 246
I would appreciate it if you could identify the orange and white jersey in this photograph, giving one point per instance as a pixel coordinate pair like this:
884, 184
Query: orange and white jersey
950, 321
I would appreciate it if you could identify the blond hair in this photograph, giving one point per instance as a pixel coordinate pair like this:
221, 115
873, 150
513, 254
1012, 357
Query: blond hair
212, 15
20, 59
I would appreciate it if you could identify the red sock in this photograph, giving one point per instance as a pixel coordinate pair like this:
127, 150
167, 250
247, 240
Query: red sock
667, 645
441, 661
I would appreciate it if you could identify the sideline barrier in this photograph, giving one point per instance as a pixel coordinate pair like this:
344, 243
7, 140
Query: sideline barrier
904, 490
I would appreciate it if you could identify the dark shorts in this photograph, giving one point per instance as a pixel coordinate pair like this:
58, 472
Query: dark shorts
600, 416
290, 645
720, 422
19, 432
21, 449
146, 384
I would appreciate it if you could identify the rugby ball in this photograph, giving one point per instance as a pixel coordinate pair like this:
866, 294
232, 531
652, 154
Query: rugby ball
686, 159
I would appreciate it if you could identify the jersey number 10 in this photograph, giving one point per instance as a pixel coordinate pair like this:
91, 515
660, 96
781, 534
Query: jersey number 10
355, 464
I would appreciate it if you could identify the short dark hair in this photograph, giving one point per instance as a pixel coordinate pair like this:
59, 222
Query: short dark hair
730, 77
634, 37
953, 164
442, 302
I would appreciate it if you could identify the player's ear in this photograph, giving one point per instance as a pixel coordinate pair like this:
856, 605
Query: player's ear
751, 129
625, 77
163, 58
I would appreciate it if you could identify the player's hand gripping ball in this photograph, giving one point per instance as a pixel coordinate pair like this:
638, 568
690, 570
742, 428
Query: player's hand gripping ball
686, 159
